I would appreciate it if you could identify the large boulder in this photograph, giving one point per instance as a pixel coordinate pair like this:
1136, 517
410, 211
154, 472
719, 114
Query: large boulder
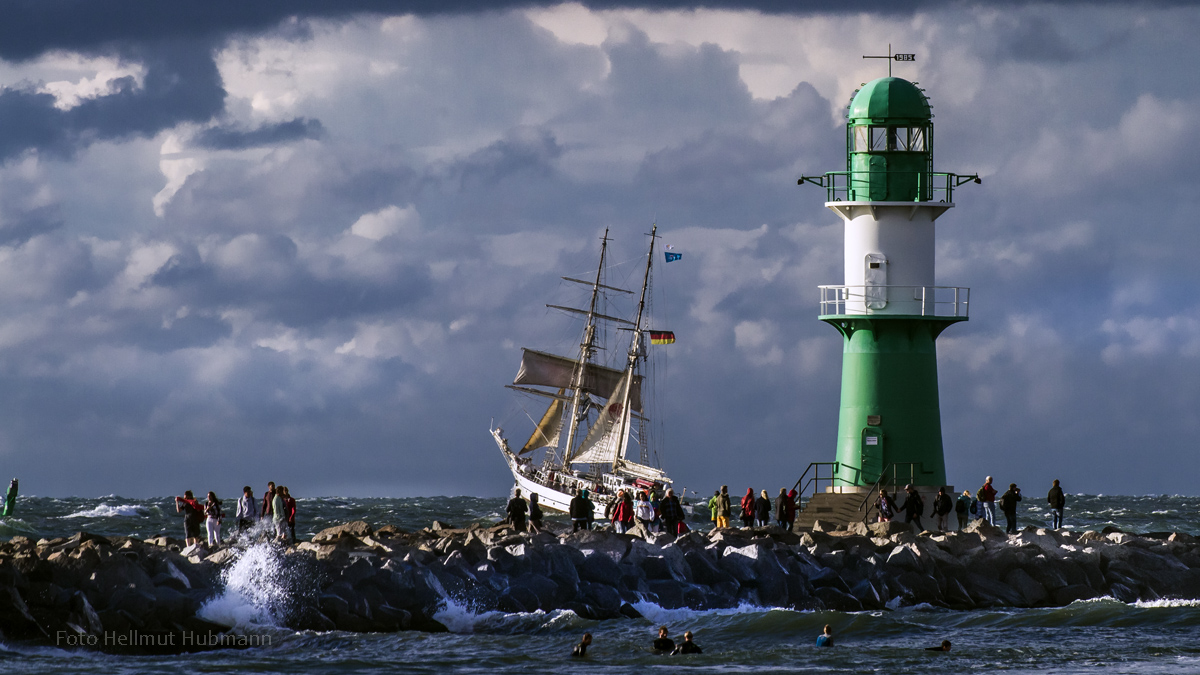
357, 528
599, 567
1031, 591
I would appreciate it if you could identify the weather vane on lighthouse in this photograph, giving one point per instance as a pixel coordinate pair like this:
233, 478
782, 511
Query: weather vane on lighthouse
893, 57
888, 308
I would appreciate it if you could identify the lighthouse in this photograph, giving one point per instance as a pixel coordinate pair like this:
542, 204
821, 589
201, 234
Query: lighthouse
889, 309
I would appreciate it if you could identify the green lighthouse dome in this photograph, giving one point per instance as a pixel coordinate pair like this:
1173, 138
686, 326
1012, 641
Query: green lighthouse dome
889, 99
889, 143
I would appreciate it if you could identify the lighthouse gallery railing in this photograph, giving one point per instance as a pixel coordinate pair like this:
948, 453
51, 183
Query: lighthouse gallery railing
948, 301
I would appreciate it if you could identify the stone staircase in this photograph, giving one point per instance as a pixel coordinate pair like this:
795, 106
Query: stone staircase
833, 507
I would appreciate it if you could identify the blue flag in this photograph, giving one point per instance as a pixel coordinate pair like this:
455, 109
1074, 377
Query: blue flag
672, 257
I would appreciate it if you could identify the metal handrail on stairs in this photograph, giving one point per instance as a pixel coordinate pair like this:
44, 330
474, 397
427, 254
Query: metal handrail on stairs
815, 467
894, 467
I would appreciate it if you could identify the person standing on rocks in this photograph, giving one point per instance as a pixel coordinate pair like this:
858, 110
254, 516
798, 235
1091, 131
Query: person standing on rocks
781, 509
663, 644
672, 512
279, 516
1057, 501
885, 506
791, 508
622, 514
245, 510
580, 511
724, 507
644, 511
748, 508
212, 518
762, 510
535, 514
713, 505
289, 510
1008, 504
268, 502
193, 514
516, 511
987, 498
942, 506
913, 507
963, 508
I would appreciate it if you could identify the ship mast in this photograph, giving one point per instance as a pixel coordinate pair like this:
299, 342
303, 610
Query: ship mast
634, 350
586, 348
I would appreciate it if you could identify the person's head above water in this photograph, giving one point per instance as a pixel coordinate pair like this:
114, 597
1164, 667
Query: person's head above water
945, 645
587, 639
662, 631
687, 637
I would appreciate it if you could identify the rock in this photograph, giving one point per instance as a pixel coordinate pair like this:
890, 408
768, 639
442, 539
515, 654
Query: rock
905, 557
888, 528
598, 567
991, 593
703, 569
15, 619
837, 600
357, 528
1069, 594
1034, 594
222, 556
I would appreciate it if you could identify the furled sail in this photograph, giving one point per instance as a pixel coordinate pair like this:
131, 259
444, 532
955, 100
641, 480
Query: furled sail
550, 370
546, 432
604, 441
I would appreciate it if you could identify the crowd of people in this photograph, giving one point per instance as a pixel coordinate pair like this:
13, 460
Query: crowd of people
981, 507
278, 509
654, 511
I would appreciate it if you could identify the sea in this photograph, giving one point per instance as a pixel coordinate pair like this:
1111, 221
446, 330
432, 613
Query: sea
1096, 636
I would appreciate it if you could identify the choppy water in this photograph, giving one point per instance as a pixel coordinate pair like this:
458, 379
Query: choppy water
1086, 637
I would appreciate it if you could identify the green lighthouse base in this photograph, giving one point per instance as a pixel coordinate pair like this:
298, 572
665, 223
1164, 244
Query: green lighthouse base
890, 424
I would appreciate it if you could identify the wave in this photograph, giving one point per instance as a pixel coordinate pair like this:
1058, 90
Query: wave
106, 511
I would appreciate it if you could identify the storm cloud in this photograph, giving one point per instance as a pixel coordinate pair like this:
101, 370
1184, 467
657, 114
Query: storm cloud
305, 242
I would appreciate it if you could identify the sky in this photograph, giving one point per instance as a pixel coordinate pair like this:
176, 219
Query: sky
305, 242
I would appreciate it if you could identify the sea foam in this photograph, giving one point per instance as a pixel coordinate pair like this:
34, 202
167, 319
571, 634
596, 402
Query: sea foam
106, 511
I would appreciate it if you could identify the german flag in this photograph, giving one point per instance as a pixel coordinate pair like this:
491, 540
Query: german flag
662, 337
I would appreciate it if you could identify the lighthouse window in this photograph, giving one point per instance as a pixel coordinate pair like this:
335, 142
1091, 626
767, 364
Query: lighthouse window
880, 139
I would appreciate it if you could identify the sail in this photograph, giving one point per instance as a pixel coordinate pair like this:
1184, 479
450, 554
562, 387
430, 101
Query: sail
546, 432
604, 441
550, 370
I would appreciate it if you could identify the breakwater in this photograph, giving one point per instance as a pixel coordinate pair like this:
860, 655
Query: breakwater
88, 590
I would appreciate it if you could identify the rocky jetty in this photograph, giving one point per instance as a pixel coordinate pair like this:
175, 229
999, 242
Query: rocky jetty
122, 594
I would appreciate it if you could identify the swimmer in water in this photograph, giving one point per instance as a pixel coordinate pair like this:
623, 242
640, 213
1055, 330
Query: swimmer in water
945, 647
664, 644
825, 639
580, 649
687, 646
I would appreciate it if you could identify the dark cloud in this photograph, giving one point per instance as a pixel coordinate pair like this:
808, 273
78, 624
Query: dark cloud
226, 138
181, 85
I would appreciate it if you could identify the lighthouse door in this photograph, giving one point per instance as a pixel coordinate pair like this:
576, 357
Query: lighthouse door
875, 281
872, 453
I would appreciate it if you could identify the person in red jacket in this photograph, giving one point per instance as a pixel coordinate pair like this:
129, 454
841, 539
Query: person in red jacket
791, 513
622, 513
987, 499
289, 510
748, 508
193, 515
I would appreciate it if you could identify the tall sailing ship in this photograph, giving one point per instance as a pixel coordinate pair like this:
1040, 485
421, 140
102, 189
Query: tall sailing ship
595, 417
